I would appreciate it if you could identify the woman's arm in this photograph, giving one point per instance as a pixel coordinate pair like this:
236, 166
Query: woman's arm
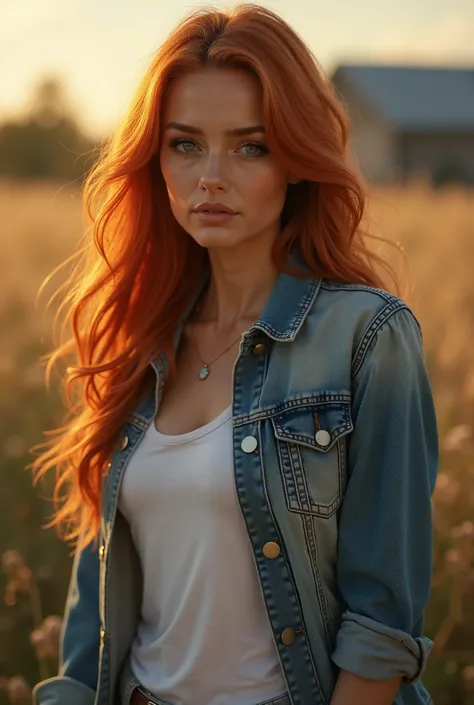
384, 562
78, 667
354, 690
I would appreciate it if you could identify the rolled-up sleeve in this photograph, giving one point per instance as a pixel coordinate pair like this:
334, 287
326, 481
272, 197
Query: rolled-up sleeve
385, 552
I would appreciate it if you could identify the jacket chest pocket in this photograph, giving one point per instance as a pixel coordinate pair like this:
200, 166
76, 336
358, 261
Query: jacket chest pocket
311, 444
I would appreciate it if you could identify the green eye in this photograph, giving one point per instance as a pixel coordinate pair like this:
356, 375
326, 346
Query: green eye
261, 149
180, 141
252, 146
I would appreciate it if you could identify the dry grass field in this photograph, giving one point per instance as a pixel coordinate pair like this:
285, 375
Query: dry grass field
40, 225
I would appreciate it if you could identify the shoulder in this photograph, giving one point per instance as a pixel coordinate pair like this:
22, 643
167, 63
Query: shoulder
361, 305
360, 313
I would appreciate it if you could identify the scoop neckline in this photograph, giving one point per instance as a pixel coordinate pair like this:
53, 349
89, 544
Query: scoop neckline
174, 439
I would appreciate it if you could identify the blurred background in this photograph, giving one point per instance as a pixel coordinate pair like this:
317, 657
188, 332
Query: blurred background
68, 69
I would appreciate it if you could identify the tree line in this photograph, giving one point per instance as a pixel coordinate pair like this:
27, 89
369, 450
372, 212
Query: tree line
47, 142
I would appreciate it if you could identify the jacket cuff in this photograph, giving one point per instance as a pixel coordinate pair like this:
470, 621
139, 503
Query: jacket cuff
377, 652
62, 689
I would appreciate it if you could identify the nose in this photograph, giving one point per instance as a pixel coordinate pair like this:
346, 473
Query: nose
213, 177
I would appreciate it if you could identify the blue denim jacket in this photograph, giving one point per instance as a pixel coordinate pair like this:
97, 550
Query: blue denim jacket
335, 454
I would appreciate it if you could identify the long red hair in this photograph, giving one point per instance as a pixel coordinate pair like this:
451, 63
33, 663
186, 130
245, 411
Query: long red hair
138, 268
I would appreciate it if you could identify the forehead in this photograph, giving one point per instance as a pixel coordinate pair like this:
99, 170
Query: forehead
214, 96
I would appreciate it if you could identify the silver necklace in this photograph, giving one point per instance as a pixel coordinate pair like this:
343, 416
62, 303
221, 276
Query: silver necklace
204, 372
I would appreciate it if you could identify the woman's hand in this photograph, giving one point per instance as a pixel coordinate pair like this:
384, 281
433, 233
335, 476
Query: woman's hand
354, 690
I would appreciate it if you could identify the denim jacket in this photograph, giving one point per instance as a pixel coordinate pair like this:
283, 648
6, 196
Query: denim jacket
335, 454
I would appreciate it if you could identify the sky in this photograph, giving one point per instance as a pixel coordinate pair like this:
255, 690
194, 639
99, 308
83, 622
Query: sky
100, 48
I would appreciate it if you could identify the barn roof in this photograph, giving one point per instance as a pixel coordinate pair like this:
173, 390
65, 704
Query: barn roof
414, 98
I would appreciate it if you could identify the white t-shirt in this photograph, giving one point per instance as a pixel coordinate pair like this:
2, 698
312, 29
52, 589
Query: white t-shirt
204, 636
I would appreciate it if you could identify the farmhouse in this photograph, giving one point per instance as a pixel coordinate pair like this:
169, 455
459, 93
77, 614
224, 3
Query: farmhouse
410, 120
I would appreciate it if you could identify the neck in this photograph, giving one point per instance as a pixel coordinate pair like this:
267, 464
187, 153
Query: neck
242, 279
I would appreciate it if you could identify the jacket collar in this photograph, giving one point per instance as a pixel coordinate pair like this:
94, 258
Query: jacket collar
287, 307
289, 303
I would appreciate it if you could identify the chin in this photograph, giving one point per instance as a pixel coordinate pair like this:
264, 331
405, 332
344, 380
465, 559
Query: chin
216, 236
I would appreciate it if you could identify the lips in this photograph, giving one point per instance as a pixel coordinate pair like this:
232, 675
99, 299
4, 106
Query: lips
209, 207
215, 218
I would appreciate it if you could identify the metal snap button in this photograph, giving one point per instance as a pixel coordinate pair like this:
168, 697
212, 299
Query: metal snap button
288, 636
323, 438
124, 443
101, 553
102, 634
249, 444
271, 549
259, 349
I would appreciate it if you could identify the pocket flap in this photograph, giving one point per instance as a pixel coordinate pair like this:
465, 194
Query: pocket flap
316, 425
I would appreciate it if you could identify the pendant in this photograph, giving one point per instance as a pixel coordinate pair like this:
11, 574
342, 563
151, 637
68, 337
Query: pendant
204, 373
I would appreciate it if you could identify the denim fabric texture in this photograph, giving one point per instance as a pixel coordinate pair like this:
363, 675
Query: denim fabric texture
342, 410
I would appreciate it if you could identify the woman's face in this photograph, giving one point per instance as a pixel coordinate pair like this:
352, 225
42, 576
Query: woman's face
203, 159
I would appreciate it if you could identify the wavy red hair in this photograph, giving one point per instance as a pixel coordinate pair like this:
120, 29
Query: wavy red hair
137, 267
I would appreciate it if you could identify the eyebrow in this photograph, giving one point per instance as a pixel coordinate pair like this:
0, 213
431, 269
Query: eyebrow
250, 130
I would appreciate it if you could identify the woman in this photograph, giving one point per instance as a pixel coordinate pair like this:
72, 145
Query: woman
251, 457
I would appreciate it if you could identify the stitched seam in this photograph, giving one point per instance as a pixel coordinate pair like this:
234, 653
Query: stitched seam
372, 330
266, 412
284, 435
301, 485
289, 488
312, 543
298, 318
295, 484
329, 286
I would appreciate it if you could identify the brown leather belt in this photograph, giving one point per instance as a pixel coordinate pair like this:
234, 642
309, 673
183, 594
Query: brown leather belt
138, 698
